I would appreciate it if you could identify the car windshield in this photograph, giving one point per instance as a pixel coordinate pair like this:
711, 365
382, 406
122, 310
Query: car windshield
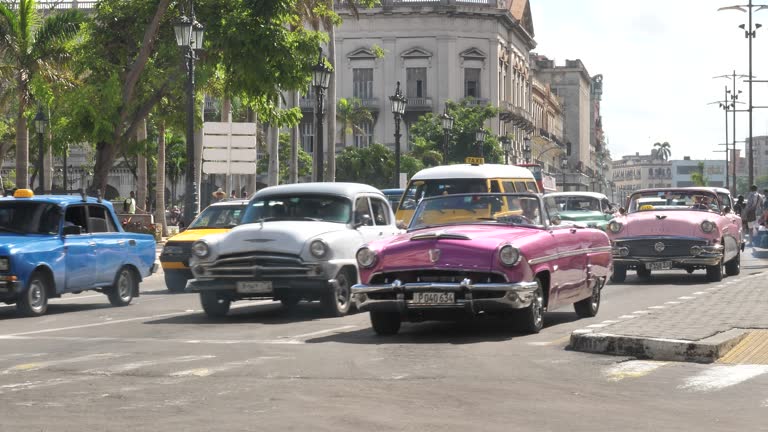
315, 207
673, 200
219, 216
576, 203
427, 188
25, 217
486, 208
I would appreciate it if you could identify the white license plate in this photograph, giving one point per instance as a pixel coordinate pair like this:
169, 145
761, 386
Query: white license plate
433, 298
659, 265
260, 287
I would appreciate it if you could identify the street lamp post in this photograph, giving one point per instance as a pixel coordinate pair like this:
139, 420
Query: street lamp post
447, 121
40, 123
506, 144
479, 141
189, 36
398, 101
527, 149
321, 76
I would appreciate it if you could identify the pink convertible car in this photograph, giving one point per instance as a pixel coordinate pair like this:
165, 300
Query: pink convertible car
473, 254
684, 228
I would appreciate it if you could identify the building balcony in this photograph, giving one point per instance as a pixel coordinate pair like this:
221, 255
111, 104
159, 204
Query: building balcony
419, 104
516, 115
307, 104
372, 104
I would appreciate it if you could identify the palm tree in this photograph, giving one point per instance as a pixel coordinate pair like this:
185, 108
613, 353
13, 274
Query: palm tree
32, 47
353, 116
662, 150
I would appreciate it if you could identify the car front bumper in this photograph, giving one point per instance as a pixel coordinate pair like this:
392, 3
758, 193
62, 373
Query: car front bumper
9, 290
469, 297
706, 256
281, 286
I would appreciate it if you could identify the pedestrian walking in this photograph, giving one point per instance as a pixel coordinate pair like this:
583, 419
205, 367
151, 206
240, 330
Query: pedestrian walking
755, 203
129, 205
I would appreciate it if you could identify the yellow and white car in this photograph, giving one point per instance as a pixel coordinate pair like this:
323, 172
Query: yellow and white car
217, 218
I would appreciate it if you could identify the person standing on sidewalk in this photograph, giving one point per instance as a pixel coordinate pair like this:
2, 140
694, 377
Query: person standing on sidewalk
753, 211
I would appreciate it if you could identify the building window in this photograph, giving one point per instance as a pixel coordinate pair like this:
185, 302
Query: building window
362, 83
308, 136
364, 135
472, 82
416, 79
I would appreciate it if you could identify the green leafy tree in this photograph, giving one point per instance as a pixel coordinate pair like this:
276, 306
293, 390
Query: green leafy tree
352, 116
304, 158
427, 133
32, 48
373, 165
698, 178
662, 150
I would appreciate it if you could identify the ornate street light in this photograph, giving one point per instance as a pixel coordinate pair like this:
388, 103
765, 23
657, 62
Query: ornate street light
189, 36
398, 101
447, 121
527, 149
41, 122
479, 141
321, 76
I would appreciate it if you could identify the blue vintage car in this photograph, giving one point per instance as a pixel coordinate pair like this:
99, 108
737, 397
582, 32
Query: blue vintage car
51, 245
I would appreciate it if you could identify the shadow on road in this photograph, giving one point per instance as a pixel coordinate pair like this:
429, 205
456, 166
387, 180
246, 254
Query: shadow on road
461, 332
9, 312
271, 313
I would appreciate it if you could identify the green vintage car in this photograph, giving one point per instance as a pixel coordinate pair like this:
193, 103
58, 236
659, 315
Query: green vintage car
590, 209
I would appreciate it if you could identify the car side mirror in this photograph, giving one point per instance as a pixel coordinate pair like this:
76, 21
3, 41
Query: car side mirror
401, 225
555, 220
362, 220
622, 210
73, 230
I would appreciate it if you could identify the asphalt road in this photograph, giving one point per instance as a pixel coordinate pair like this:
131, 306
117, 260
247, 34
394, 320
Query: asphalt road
160, 364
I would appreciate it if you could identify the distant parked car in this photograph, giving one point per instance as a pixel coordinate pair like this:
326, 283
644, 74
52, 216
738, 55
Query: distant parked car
588, 208
217, 218
393, 196
296, 242
486, 254
677, 228
56, 244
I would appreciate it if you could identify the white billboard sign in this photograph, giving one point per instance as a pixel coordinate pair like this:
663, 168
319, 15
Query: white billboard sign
229, 148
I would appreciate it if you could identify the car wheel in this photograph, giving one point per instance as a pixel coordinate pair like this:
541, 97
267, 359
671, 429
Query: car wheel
337, 301
715, 272
619, 273
733, 267
121, 292
214, 305
531, 319
34, 300
644, 273
176, 282
588, 307
385, 323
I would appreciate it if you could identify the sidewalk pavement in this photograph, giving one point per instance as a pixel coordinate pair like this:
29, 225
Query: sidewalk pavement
701, 327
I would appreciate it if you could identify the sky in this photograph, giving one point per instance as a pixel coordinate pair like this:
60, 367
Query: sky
658, 59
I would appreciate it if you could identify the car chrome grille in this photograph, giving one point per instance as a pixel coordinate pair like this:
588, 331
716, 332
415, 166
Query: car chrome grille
646, 247
445, 276
258, 265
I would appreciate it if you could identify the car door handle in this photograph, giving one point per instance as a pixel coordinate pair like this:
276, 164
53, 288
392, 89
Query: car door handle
121, 242
573, 230
91, 243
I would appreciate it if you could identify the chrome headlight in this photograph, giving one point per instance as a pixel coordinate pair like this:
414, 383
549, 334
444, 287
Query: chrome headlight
5, 264
366, 258
614, 226
708, 226
509, 255
318, 248
200, 249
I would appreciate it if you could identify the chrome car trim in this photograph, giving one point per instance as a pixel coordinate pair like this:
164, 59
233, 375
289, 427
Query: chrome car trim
567, 254
440, 235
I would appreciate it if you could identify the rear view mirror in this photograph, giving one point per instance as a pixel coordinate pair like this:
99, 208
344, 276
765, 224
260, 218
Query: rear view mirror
73, 230
555, 220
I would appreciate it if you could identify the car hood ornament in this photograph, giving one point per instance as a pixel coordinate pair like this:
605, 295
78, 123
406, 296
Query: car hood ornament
434, 255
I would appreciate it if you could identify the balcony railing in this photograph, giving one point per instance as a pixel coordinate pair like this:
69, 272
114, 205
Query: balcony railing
371, 104
418, 104
306, 104
388, 4
476, 101
517, 116
58, 4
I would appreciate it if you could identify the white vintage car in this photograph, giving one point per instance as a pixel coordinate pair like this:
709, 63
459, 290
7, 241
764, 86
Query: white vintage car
295, 242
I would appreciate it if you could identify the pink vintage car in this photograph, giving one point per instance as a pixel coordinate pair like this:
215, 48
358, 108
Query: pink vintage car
683, 228
474, 254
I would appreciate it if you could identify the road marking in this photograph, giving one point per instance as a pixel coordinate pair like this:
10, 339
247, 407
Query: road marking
26, 367
317, 333
557, 341
641, 312
700, 292
16, 355
204, 372
686, 298
29, 385
609, 322
672, 302
632, 369
627, 316
720, 377
93, 324
145, 363
657, 307
597, 325
76, 297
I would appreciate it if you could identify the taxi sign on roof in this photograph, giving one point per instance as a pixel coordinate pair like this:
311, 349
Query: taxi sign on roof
23, 193
474, 160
